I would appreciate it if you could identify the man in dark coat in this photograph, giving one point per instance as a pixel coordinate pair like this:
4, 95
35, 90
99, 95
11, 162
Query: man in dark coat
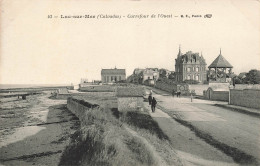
150, 99
154, 102
173, 92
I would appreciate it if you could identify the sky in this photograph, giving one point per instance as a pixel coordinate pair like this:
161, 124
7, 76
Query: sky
35, 49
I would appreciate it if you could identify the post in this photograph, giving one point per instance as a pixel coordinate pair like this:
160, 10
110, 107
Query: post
191, 97
24, 97
229, 94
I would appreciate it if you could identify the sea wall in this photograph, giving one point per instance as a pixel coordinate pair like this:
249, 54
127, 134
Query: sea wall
79, 107
246, 97
36, 89
130, 103
130, 98
98, 88
64, 96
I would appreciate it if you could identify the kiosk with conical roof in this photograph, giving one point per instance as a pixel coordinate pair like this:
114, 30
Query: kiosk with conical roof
220, 70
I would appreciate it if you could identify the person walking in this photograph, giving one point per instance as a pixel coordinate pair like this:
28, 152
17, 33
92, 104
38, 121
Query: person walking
150, 99
173, 92
154, 102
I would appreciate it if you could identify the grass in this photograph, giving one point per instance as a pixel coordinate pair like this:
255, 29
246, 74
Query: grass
143, 120
102, 140
105, 139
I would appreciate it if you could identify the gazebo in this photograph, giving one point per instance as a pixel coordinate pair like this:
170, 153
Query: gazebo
220, 70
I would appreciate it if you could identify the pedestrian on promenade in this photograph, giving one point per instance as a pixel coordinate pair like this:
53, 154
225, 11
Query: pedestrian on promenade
154, 102
178, 94
173, 92
150, 99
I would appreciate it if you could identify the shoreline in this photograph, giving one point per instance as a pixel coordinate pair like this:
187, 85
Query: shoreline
35, 131
33, 89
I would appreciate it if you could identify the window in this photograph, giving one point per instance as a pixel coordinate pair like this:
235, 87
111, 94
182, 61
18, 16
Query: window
188, 77
197, 77
189, 69
197, 68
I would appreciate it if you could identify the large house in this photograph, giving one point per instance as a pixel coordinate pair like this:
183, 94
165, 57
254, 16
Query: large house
144, 75
150, 74
190, 66
112, 75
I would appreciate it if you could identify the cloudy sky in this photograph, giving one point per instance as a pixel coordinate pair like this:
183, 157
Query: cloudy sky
35, 49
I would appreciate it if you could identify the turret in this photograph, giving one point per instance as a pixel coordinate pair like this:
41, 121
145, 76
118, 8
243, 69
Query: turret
179, 54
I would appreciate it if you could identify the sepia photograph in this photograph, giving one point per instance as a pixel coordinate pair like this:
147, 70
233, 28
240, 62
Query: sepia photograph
129, 83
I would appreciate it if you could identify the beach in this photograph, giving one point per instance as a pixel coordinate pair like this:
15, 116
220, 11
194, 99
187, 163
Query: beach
34, 131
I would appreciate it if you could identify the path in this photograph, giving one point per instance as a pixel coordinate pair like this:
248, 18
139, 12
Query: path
190, 148
232, 133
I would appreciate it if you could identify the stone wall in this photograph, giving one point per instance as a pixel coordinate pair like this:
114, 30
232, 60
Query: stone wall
247, 86
165, 86
220, 86
98, 88
199, 88
247, 98
183, 88
66, 96
79, 107
220, 96
63, 96
130, 103
210, 94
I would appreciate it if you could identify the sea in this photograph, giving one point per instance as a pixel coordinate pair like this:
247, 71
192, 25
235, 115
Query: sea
12, 86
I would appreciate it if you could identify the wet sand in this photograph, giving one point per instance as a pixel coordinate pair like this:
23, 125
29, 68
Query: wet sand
34, 131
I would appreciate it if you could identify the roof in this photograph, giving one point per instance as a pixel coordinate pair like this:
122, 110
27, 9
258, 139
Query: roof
220, 61
113, 71
225, 89
190, 57
130, 92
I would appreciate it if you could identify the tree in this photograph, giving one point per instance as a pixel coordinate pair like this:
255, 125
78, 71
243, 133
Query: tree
172, 76
238, 80
162, 73
252, 77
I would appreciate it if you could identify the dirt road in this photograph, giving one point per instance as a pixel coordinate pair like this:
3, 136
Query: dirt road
201, 129
34, 131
